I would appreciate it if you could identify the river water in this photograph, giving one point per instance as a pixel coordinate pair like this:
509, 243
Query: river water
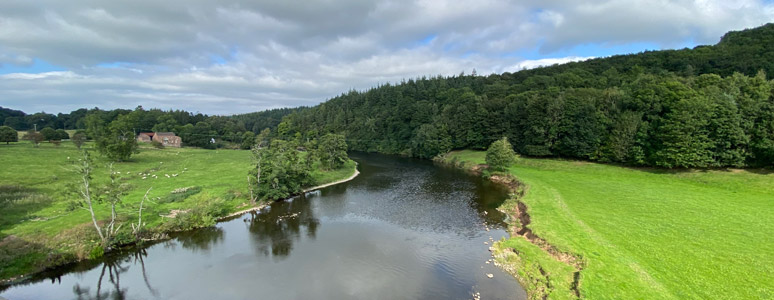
403, 229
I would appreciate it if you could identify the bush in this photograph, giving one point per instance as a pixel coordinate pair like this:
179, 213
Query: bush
61, 134
96, 252
123, 237
203, 214
500, 155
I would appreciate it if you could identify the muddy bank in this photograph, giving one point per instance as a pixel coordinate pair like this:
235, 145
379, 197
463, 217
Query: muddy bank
518, 220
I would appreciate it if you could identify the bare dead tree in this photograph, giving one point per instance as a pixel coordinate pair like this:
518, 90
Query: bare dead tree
136, 229
84, 168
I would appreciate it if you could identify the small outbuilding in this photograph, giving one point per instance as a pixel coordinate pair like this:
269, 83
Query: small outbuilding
145, 137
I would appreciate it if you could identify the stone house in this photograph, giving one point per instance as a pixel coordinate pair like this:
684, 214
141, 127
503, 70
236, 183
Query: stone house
168, 139
145, 137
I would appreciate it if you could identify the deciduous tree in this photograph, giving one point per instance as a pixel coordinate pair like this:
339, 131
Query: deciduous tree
34, 137
49, 134
79, 138
500, 155
332, 151
8, 134
118, 142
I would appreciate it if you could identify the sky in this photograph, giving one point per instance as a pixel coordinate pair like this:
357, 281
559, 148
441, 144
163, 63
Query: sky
230, 57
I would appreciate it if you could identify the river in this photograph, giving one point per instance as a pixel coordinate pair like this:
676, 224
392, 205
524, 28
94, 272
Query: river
403, 229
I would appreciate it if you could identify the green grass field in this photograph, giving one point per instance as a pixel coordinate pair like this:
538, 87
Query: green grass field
39, 225
643, 233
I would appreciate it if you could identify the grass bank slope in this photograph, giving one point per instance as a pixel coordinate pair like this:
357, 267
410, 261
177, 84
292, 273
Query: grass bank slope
641, 233
40, 226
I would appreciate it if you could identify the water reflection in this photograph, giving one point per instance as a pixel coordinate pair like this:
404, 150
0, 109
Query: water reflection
110, 277
275, 229
199, 240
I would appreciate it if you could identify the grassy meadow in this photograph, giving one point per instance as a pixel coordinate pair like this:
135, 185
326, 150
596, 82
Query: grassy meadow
40, 224
643, 233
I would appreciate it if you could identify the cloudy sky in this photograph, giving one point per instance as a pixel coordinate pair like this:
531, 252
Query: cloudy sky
225, 57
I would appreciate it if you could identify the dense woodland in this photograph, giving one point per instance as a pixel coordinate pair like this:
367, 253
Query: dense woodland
710, 106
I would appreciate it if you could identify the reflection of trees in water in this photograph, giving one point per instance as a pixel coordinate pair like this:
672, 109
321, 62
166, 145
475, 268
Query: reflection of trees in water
110, 276
201, 239
274, 230
109, 282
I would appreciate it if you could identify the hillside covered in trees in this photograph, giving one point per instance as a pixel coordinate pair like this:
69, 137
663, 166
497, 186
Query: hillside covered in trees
710, 106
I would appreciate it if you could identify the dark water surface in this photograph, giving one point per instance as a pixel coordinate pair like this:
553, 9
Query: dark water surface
403, 229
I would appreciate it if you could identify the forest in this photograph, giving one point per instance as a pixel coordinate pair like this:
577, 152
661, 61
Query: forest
710, 106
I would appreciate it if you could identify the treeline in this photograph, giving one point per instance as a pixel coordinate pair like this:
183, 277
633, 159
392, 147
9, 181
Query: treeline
747, 52
710, 106
194, 129
664, 108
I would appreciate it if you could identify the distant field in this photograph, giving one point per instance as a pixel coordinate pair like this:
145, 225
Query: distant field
48, 217
648, 234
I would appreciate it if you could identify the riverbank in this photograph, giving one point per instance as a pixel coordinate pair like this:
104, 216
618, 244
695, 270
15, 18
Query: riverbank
43, 227
314, 188
322, 186
587, 230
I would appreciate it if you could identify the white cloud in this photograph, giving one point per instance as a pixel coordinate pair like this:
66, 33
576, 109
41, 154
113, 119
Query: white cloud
239, 56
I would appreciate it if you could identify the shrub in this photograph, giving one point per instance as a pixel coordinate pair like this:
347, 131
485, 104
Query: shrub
61, 134
96, 252
203, 214
500, 155
123, 237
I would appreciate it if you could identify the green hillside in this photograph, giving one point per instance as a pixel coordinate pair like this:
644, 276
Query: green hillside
711, 106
